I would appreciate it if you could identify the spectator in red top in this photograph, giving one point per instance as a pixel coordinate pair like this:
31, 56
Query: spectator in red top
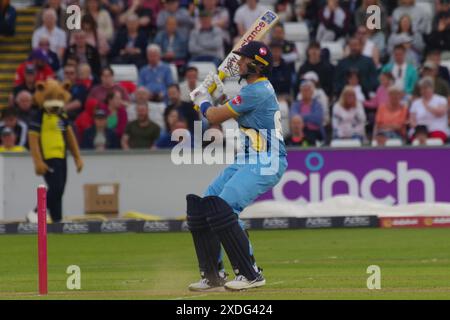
40, 61
107, 85
86, 118
117, 114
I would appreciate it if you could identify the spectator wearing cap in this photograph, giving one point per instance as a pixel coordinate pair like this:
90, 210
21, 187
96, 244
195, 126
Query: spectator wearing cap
142, 132
107, 85
205, 43
441, 87
289, 51
38, 61
246, 15
348, 117
11, 121
99, 137
156, 75
24, 107
56, 36
430, 110
356, 60
404, 73
52, 57
173, 44
282, 73
29, 81
414, 39
84, 52
189, 83
334, 22
311, 111
146, 10
184, 18
8, 142
320, 66
419, 17
319, 94
130, 44
8, 17
392, 116
297, 136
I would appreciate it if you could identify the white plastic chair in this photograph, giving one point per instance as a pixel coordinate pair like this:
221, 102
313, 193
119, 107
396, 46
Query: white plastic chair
335, 48
389, 143
430, 142
296, 31
174, 71
345, 143
125, 72
203, 68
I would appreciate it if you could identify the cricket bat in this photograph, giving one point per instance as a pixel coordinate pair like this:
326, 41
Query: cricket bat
262, 25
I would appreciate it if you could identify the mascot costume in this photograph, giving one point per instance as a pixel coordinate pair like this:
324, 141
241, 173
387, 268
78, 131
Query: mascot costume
49, 137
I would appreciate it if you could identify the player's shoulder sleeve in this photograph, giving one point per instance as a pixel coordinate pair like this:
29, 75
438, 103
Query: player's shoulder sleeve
36, 122
247, 100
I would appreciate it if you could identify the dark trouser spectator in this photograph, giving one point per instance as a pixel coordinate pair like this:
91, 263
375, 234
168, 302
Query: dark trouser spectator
7, 19
56, 182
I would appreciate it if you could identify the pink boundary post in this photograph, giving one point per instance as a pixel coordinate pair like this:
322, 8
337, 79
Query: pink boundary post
42, 238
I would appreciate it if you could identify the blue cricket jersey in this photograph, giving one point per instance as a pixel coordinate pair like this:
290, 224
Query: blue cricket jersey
259, 118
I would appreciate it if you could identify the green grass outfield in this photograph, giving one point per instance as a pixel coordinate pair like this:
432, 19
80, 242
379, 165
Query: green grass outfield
298, 264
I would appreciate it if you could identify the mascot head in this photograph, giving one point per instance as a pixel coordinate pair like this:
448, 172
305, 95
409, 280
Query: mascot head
51, 96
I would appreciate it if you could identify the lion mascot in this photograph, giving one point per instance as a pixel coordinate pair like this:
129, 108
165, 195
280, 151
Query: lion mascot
49, 137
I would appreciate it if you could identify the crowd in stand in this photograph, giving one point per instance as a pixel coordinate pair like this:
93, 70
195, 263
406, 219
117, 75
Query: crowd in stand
389, 84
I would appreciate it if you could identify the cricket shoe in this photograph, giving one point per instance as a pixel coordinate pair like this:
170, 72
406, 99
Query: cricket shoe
242, 283
205, 285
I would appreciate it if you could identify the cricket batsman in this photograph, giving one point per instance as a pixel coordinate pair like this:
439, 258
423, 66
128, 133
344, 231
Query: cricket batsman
213, 219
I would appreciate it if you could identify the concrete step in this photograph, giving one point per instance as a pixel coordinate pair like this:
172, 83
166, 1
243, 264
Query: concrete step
28, 11
7, 76
26, 18
14, 49
25, 28
21, 38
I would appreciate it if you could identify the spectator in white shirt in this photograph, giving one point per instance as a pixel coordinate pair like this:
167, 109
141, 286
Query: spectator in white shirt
246, 14
430, 110
56, 36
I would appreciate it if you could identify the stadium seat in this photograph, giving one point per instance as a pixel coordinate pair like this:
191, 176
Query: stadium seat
174, 71
284, 110
389, 143
267, 3
345, 143
446, 63
430, 142
428, 9
125, 72
156, 113
336, 50
301, 47
296, 31
203, 68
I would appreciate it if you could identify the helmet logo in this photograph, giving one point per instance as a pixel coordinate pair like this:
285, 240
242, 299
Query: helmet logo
262, 51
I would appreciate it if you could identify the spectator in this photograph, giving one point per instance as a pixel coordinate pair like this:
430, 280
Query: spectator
282, 73
142, 132
297, 137
311, 111
156, 76
442, 9
185, 109
430, 110
364, 65
381, 95
421, 135
321, 67
405, 75
334, 22
52, 57
348, 119
439, 38
189, 84
430, 69
391, 118
319, 94
86, 118
8, 142
369, 49
353, 80
29, 80
107, 85
24, 106
220, 18
11, 121
443, 72
116, 113
85, 76
285, 10
246, 15
78, 92
94, 36
289, 51
37, 60
84, 52
8, 17
101, 16
56, 36
184, 18
145, 13
99, 137
174, 46
61, 14
130, 44
205, 43
173, 121
405, 28
418, 16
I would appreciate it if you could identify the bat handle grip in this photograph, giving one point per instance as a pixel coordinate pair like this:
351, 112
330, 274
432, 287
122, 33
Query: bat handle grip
212, 88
